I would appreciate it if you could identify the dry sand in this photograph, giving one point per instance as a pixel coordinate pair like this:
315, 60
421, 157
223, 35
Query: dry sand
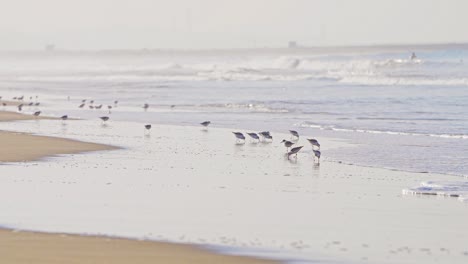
17, 147
31, 247
13, 116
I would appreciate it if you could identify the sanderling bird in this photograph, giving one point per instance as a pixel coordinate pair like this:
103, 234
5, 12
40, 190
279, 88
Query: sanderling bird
317, 154
294, 133
148, 127
314, 142
287, 144
206, 123
146, 106
294, 151
239, 136
104, 118
64, 117
20, 107
37, 113
254, 136
266, 135
98, 106
109, 107
81, 105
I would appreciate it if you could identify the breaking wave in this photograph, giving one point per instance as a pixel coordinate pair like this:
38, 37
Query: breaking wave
457, 189
369, 131
387, 69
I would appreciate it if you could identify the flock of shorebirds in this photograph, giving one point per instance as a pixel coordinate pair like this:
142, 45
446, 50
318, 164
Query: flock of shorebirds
263, 136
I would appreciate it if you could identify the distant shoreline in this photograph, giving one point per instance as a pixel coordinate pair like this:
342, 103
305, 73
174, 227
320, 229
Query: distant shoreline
299, 49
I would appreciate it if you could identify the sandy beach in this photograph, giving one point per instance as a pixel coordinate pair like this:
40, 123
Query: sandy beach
293, 132
41, 248
24, 247
234, 196
23, 147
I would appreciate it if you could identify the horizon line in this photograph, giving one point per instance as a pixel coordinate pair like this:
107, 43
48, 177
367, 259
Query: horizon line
298, 47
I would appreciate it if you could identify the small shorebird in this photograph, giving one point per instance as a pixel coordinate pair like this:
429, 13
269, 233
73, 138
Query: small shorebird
91, 106
317, 154
254, 136
81, 105
266, 135
104, 118
110, 108
314, 142
115, 103
294, 151
20, 107
287, 144
146, 106
148, 127
37, 113
240, 136
294, 133
206, 123
64, 117
37, 104
98, 106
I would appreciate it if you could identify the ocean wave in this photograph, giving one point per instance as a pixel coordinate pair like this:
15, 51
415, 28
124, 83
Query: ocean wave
260, 108
386, 69
457, 189
370, 131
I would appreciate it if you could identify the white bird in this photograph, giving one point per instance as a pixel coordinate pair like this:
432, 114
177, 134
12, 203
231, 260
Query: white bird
206, 123
294, 133
317, 154
254, 136
239, 136
294, 151
314, 142
287, 144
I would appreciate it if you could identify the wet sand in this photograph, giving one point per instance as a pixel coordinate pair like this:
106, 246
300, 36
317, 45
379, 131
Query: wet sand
34, 247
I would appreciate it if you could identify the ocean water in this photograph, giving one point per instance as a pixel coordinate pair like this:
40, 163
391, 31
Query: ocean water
402, 114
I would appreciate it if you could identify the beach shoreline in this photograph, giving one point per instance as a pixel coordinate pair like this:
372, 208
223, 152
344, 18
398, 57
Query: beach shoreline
42, 247
25, 246
23, 147
353, 192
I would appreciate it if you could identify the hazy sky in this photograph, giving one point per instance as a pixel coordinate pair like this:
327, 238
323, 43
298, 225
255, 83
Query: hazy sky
98, 24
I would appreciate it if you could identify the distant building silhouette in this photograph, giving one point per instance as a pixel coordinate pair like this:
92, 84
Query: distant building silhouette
50, 47
292, 44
